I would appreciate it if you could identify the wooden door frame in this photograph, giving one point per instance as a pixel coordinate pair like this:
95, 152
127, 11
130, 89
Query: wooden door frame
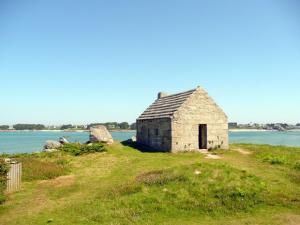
202, 136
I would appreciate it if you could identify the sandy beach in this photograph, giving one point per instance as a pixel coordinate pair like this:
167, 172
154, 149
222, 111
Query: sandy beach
249, 130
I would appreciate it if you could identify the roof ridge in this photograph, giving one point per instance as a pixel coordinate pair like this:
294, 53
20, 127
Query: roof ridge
179, 93
165, 107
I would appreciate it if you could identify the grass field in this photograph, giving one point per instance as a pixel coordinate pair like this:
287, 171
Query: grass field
249, 184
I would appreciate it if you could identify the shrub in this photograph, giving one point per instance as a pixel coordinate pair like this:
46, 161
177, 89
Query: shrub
77, 149
297, 165
92, 148
3, 178
72, 148
274, 160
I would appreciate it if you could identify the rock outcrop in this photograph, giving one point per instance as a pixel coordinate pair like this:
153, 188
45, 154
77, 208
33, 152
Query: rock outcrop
100, 134
52, 146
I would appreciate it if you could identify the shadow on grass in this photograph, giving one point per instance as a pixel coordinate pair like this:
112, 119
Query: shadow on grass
140, 147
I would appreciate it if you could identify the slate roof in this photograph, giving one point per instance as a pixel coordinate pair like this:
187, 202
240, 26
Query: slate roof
165, 107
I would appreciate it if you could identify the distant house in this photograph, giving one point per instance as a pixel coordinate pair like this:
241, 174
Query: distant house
183, 122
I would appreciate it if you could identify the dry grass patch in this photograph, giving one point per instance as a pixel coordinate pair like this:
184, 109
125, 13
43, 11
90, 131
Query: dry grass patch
242, 151
63, 181
159, 177
36, 169
293, 219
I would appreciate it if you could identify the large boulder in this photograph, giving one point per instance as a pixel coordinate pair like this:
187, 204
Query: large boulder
100, 134
51, 145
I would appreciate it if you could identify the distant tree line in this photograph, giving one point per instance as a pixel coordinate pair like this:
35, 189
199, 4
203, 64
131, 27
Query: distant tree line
70, 127
66, 126
29, 127
133, 126
4, 127
109, 125
115, 125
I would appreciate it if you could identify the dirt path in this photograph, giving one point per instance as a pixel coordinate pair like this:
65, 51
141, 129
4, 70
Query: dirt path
242, 151
209, 155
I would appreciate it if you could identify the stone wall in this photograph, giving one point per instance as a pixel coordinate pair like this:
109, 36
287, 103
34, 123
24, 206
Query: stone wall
199, 109
155, 133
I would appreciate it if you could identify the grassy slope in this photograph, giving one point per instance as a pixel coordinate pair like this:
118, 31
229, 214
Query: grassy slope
125, 186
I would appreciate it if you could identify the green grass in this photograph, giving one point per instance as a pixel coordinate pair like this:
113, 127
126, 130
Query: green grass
218, 190
125, 186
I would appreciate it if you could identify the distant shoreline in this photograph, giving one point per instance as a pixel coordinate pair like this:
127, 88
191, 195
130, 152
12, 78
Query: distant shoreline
249, 130
62, 131
261, 130
129, 131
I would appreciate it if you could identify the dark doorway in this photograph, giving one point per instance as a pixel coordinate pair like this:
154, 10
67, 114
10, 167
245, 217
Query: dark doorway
203, 136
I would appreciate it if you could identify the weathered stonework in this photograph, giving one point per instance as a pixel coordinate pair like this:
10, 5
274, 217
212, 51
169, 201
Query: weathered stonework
183, 122
155, 133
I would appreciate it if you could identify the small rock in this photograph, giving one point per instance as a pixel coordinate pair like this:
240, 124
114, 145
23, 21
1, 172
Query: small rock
133, 139
7, 160
63, 141
50, 221
52, 145
197, 172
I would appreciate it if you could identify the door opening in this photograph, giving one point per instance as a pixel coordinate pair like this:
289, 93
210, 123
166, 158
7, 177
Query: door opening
203, 136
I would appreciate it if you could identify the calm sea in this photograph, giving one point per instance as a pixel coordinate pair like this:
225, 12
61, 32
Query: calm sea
24, 141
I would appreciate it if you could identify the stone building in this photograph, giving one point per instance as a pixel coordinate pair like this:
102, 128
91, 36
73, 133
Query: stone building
185, 121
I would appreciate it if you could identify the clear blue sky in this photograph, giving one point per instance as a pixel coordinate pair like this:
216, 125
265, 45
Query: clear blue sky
66, 61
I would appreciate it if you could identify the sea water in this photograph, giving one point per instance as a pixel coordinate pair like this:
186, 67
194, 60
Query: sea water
27, 141
32, 141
